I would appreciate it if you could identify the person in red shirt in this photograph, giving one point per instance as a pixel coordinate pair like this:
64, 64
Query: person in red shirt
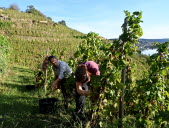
83, 74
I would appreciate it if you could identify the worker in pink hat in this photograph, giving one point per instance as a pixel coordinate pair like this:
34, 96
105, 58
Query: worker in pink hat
83, 74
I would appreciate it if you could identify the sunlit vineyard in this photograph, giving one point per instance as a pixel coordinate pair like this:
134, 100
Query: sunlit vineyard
132, 90
121, 96
32, 36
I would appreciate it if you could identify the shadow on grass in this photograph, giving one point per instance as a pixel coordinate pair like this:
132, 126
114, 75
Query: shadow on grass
22, 76
24, 111
19, 107
18, 104
23, 70
21, 88
25, 79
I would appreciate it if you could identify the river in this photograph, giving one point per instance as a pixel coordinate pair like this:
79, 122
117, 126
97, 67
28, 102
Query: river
149, 51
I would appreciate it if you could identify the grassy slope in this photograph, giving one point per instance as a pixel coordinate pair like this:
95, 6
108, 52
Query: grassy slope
19, 107
30, 39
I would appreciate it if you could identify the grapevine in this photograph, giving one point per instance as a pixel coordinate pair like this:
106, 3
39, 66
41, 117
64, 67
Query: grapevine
115, 57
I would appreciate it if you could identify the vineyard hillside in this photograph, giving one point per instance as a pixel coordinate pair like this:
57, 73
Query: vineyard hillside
130, 92
32, 36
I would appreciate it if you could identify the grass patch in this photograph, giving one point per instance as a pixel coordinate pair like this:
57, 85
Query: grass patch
20, 107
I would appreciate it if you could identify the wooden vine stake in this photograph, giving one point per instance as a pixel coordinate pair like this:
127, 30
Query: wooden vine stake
46, 72
123, 79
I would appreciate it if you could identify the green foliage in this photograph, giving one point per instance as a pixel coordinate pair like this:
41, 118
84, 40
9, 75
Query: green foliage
4, 52
141, 95
47, 76
62, 22
111, 58
152, 98
33, 10
90, 49
49, 18
14, 7
146, 98
4, 25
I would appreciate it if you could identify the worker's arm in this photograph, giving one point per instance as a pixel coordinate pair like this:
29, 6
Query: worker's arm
80, 91
55, 84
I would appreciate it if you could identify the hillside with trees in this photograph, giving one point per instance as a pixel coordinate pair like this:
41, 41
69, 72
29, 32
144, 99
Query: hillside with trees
148, 43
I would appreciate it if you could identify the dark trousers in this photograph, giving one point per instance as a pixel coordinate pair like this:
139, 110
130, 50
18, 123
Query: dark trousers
80, 100
63, 89
67, 88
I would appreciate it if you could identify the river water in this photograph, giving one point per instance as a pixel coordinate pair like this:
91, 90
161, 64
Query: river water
149, 51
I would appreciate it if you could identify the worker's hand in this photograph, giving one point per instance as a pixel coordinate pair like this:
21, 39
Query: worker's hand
37, 79
54, 86
94, 96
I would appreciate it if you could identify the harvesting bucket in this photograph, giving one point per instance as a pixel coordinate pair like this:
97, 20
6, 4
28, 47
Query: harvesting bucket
30, 87
47, 105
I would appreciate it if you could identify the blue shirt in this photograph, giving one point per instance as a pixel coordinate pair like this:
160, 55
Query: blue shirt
63, 70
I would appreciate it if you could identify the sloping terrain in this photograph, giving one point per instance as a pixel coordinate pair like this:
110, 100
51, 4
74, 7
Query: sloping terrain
33, 36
